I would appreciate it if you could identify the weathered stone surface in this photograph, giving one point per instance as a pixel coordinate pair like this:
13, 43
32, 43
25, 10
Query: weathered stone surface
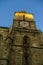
21, 45
37, 55
3, 62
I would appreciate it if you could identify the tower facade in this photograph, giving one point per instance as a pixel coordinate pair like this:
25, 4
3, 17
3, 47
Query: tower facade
23, 44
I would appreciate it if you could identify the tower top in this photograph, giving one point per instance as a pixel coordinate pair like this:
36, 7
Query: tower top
23, 13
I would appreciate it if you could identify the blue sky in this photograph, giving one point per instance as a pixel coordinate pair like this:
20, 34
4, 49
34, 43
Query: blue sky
8, 7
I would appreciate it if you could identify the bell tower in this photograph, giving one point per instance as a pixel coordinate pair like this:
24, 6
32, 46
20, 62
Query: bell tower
24, 20
24, 35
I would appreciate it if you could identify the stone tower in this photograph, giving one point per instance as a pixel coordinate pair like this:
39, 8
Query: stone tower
23, 43
23, 29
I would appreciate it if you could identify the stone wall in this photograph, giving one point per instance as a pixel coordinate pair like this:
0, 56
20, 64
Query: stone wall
37, 55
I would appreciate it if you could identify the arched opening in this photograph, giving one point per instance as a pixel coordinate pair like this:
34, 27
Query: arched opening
26, 40
25, 50
9, 42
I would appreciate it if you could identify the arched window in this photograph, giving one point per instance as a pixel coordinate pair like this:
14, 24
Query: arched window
25, 40
25, 49
9, 40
